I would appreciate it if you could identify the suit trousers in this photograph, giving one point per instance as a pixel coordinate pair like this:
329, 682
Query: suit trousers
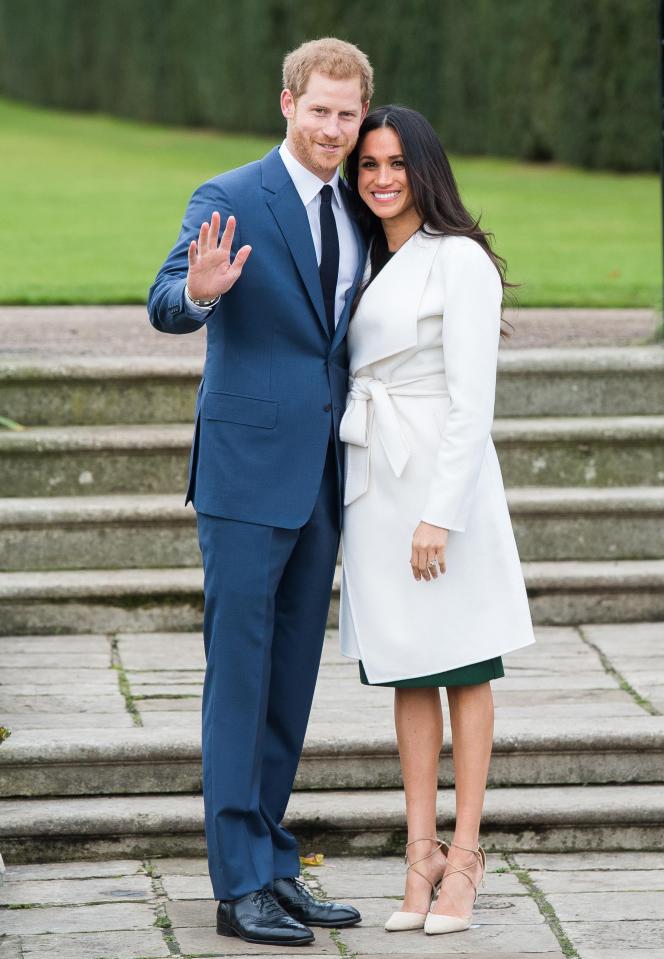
267, 595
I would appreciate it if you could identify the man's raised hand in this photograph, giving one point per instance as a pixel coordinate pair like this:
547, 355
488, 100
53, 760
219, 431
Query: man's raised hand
211, 272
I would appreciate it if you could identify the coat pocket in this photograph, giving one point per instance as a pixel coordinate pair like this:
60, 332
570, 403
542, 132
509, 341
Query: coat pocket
244, 410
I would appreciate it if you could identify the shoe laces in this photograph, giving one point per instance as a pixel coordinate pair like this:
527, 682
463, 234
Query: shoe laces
266, 903
304, 889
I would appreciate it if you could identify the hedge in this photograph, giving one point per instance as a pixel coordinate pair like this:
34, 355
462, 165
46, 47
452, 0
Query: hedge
575, 81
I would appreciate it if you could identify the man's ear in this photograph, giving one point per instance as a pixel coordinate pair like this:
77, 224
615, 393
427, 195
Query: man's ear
365, 109
287, 104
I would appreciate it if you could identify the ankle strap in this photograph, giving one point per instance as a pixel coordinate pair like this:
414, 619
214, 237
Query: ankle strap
467, 848
438, 845
480, 855
438, 842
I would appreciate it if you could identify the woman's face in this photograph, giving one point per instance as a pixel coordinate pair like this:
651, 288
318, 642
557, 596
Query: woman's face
382, 180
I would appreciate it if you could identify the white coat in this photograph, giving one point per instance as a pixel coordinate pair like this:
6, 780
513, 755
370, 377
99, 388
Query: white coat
423, 352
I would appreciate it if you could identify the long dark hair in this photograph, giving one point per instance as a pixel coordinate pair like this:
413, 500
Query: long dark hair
435, 192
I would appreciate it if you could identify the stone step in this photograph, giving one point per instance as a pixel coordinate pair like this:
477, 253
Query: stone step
143, 531
572, 523
97, 762
98, 532
93, 460
102, 391
594, 381
558, 451
152, 600
71, 391
369, 822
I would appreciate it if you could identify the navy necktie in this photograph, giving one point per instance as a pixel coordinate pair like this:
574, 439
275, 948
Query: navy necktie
329, 260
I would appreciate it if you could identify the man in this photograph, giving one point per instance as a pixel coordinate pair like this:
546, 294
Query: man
266, 471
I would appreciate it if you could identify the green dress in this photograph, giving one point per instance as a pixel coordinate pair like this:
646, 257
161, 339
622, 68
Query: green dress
461, 676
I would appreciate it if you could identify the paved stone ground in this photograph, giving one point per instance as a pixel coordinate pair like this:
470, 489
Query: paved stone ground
64, 682
592, 906
125, 330
583, 906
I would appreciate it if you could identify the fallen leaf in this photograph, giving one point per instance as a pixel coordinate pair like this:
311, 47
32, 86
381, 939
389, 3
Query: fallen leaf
313, 859
10, 424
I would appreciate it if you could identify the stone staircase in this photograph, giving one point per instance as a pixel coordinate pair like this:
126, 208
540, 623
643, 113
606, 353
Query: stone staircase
101, 660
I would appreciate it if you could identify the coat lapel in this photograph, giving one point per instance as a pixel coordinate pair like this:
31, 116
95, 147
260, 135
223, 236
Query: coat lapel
385, 322
291, 216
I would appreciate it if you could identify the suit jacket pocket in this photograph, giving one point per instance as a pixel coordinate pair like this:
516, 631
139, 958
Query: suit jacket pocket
245, 410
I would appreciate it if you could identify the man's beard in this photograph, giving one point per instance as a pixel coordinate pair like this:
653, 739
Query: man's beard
306, 149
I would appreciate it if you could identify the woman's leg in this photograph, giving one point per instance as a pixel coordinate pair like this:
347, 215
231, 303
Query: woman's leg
471, 716
419, 725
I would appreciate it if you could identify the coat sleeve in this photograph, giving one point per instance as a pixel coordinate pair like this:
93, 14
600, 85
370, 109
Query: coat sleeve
472, 295
168, 309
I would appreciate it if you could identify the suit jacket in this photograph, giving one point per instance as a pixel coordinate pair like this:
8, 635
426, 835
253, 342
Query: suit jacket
274, 384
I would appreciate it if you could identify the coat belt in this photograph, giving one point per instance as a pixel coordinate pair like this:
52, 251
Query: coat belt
370, 408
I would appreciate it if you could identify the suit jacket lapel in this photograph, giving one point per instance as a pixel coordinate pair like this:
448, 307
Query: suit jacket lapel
342, 325
291, 216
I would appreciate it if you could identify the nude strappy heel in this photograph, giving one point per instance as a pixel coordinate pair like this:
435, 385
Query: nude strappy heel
403, 921
434, 924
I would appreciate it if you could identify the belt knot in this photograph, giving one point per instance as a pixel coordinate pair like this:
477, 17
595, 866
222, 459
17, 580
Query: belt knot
371, 405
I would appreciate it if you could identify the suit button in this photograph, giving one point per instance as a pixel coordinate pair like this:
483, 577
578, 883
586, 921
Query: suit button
327, 408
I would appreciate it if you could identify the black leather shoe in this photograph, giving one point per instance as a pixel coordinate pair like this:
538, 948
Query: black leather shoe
296, 899
258, 917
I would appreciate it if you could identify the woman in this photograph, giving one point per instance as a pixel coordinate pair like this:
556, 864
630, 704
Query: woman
424, 488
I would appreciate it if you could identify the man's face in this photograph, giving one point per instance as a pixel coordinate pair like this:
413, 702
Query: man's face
324, 122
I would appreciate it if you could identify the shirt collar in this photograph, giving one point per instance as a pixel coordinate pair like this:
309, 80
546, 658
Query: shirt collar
307, 184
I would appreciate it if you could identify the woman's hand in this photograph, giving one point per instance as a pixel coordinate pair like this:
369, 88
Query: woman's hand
428, 555
211, 272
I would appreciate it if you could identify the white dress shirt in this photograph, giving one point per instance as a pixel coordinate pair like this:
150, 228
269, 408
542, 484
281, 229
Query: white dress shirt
308, 186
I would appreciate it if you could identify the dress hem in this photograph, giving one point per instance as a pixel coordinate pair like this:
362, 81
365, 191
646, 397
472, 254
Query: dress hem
471, 675
391, 679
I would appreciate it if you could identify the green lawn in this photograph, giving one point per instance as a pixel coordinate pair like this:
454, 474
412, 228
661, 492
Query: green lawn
90, 205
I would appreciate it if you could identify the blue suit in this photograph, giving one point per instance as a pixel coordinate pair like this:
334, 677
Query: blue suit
265, 479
